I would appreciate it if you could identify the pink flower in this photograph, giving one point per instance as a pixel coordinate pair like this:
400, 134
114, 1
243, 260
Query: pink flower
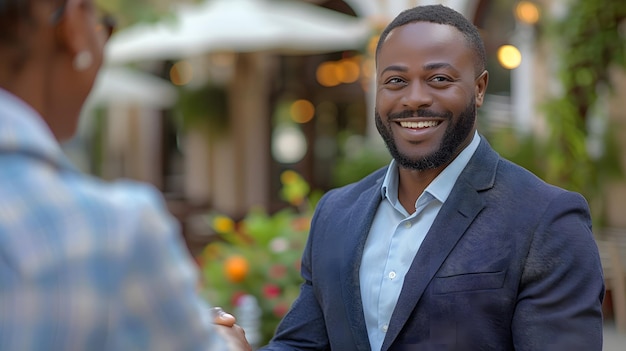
271, 291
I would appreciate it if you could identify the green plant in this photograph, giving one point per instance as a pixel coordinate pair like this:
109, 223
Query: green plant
260, 255
588, 44
359, 157
202, 108
128, 13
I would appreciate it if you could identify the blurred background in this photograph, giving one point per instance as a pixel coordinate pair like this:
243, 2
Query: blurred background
242, 112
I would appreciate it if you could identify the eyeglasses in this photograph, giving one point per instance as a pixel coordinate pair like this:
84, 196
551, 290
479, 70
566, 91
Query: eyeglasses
106, 23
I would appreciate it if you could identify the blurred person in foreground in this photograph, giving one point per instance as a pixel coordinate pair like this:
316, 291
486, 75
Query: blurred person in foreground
84, 264
450, 247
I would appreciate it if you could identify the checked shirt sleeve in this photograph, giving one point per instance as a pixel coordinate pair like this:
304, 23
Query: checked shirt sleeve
161, 307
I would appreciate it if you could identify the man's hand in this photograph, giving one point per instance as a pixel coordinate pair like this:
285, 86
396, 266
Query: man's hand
235, 336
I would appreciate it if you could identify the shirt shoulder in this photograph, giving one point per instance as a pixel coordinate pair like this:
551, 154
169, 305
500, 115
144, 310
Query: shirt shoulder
53, 216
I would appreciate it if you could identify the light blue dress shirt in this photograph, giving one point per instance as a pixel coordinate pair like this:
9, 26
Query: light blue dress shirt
86, 264
394, 239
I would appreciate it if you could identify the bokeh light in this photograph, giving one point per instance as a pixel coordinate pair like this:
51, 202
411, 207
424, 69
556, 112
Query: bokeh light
509, 56
302, 111
344, 71
326, 74
527, 12
289, 144
348, 70
181, 73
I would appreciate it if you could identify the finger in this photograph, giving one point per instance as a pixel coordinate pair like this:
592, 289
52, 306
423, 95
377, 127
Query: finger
239, 329
222, 318
234, 337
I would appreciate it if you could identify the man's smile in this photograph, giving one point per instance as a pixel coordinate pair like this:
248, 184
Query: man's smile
418, 125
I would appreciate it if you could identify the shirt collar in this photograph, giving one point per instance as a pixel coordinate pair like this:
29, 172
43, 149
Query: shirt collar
22, 129
442, 185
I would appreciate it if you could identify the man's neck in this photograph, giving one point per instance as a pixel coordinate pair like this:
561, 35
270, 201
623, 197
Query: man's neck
412, 183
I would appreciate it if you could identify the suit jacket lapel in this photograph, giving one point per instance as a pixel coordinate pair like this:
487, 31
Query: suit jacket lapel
455, 216
354, 243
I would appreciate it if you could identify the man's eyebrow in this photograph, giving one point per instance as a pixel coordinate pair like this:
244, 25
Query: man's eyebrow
438, 65
395, 68
426, 67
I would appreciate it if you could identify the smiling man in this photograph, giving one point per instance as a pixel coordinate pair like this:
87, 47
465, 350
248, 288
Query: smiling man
450, 247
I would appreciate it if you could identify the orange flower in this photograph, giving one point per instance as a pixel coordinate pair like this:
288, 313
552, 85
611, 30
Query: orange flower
236, 268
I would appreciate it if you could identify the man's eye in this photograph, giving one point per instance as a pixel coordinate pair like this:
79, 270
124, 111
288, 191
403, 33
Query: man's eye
395, 80
440, 79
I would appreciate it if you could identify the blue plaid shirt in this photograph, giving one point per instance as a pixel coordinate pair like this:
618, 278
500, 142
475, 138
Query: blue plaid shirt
85, 264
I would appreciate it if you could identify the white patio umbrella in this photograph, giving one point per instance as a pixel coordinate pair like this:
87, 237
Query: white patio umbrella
287, 26
120, 85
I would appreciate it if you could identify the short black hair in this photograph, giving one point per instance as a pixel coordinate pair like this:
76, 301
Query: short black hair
441, 15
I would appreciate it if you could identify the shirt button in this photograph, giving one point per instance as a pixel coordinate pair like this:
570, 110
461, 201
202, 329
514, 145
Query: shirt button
392, 275
384, 328
407, 225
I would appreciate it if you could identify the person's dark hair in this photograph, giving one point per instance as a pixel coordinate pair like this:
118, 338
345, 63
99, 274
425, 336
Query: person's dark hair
441, 15
13, 14
15, 19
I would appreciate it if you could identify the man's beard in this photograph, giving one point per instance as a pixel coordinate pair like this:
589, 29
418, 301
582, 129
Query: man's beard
453, 137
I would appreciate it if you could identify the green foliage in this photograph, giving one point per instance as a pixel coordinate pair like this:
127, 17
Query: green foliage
205, 108
260, 255
128, 13
589, 43
358, 160
567, 160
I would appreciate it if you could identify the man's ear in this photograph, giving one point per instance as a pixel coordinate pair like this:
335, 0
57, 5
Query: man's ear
72, 31
481, 88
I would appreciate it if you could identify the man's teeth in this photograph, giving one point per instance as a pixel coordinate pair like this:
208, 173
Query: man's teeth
415, 125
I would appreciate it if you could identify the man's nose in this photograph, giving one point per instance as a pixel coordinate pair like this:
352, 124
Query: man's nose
417, 95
